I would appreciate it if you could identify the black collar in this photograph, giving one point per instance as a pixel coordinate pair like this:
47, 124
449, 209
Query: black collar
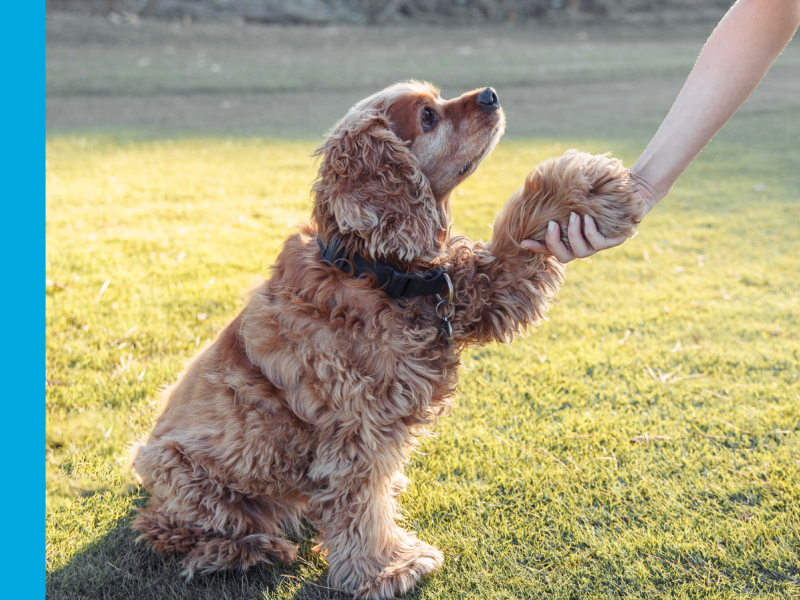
397, 284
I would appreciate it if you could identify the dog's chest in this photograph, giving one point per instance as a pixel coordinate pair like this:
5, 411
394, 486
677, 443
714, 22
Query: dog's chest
389, 351
354, 357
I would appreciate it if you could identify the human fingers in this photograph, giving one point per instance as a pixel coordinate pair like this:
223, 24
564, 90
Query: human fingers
555, 245
534, 246
597, 239
580, 247
541, 248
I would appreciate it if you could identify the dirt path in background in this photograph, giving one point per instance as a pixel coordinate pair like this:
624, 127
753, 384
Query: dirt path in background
168, 79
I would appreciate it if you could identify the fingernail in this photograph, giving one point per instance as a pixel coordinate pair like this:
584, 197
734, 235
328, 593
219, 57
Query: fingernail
552, 226
572, 217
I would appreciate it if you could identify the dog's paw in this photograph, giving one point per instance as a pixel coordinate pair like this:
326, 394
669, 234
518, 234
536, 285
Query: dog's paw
585, 184
218, 553
611, 198
409, 564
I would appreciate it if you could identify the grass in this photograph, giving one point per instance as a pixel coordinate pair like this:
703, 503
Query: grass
645, 442
533, 486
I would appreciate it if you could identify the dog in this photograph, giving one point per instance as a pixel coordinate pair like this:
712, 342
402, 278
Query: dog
306, 405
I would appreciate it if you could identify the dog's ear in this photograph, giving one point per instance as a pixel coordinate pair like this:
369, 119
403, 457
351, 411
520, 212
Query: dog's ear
370, 185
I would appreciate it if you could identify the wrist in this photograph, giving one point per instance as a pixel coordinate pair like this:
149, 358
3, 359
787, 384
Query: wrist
649, 194
648, 191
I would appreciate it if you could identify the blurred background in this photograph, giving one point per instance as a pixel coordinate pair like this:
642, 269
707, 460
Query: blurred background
282, 68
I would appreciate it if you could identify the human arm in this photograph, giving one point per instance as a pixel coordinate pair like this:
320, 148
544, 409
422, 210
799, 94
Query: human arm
733, 62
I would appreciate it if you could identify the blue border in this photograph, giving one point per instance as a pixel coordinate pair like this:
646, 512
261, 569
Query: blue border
23, 248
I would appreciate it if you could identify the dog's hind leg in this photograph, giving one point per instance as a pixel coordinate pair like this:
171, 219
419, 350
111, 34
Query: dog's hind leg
214, 526
216, 553
165, 534
209, 550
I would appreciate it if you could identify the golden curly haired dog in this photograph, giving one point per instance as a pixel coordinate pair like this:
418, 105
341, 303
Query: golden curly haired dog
307, 404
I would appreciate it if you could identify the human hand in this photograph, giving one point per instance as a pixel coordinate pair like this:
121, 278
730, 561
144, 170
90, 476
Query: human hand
581, 245
590, 240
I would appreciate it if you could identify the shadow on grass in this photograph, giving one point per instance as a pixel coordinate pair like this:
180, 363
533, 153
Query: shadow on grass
116, 567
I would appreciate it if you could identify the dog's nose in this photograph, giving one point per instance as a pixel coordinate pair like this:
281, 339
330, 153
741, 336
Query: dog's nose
488, 98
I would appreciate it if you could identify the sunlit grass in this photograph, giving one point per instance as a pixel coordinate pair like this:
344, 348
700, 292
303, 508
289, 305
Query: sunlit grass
533, 486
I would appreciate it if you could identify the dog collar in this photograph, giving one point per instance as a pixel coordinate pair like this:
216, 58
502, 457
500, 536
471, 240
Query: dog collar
397, 284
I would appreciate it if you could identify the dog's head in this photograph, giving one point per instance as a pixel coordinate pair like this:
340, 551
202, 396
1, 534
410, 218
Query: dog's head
389, 165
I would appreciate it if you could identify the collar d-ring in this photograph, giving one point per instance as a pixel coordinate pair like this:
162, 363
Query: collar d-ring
449, 290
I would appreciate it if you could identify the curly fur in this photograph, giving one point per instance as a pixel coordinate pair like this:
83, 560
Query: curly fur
308, 402
370, 185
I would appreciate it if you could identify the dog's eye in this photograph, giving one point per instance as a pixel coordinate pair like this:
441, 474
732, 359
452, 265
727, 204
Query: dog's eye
428, 119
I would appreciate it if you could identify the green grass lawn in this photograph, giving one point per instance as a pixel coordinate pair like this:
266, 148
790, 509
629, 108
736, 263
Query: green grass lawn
645, 442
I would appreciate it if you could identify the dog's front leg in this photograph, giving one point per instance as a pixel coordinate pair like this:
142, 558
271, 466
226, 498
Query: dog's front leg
499, 293
501, 287
354, 507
